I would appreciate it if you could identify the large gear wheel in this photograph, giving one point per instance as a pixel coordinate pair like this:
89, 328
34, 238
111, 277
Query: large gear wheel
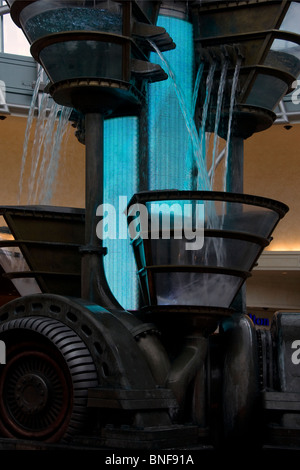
44, 384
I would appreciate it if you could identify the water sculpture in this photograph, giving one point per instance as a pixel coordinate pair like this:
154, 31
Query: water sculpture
81, 369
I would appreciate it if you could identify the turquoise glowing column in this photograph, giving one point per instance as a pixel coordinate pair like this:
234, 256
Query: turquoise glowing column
170, 150
120, 180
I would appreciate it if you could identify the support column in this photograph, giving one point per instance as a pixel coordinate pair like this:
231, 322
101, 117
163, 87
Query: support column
94, 285
235, 173
235, 184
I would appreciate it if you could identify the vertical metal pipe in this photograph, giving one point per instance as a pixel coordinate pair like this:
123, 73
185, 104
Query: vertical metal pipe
94, 285
235, 173
235, 184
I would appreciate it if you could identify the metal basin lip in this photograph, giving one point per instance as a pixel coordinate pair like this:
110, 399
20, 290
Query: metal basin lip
42, 210
164, 195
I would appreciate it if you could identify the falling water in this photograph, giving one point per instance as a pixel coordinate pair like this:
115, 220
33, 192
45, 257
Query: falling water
217, 117
45, 164
45, 153
197, 86
37, 147
232, 102
209, 84
198, 80
29, 125
204, 182
48, 182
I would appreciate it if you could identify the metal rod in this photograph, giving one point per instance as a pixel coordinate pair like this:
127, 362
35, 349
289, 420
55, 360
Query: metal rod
94, 286
235, 179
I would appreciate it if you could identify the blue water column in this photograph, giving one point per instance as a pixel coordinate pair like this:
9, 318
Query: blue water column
170, 150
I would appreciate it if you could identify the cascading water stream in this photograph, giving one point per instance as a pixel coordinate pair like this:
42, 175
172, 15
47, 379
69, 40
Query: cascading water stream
231, 107
36, 152
46, 149
194, 169
204, 182
217, 117
48, 182
44, 155
209, 84
29, 126
43, 184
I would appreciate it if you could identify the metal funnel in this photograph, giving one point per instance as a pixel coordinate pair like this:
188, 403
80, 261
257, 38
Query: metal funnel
178, 274
96, 54
264, 35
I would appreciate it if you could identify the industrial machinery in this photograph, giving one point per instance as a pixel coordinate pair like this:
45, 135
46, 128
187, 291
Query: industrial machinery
188, 368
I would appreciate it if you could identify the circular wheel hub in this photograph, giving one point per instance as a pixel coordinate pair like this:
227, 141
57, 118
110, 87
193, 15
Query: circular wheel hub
31, 393
44, 384
35, 390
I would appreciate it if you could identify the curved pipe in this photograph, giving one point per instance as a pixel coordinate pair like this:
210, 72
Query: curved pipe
146, 336
189, 364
